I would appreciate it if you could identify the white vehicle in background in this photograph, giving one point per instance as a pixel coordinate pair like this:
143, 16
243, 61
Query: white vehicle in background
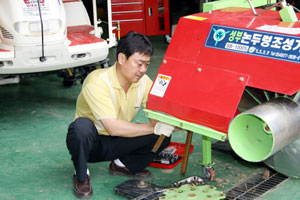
46, 35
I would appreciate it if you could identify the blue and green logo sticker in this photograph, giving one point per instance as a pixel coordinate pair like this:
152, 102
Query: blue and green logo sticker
256, 43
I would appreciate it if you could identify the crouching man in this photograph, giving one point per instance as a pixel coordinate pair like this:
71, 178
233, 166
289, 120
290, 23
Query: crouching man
106, 105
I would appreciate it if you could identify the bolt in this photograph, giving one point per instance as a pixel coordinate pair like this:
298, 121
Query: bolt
242, 78
164, 61
142, 184
199, 69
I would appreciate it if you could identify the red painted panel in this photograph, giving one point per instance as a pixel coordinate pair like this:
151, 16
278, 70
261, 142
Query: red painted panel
265, 73
79, 35
199, 93
210, 95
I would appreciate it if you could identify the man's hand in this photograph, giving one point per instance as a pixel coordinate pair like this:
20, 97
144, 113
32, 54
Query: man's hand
163, 129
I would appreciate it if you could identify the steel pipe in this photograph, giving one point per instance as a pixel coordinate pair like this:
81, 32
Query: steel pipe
263, 130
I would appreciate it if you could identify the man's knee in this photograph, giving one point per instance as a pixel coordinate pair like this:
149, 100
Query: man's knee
81, 129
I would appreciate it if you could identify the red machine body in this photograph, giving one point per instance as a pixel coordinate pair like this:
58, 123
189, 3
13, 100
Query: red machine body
213, 56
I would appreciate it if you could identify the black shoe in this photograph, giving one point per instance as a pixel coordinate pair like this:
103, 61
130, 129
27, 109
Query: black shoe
123, 171
82, 189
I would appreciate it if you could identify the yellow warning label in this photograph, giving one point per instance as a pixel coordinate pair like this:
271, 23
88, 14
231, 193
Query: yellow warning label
195, 18
164, 77
160, 85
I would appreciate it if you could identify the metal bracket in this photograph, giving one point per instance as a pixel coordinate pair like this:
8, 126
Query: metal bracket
196, 128
282, 4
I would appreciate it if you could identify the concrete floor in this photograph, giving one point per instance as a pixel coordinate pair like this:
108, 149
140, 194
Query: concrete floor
35, 163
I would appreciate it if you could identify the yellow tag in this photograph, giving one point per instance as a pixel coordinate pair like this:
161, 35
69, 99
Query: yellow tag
164, 77
195, 17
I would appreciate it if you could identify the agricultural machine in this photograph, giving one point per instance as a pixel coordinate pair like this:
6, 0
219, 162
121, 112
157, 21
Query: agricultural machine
233, 74
47, 35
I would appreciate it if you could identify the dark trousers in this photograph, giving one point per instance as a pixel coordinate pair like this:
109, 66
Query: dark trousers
86, 145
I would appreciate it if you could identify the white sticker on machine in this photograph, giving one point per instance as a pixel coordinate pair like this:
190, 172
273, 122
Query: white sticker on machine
160, 85
30, 7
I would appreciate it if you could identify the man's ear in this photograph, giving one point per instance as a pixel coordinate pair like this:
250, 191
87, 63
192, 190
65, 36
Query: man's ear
121, 58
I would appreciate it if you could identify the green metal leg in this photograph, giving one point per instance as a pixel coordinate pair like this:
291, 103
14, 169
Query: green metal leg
207, 164
207, 135
206, 151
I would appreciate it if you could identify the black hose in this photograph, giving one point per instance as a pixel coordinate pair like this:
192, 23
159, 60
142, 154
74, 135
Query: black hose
42, 58
296, 8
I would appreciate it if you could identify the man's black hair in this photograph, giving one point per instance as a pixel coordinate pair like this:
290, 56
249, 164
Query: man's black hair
134, 42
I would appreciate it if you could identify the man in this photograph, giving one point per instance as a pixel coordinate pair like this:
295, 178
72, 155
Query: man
108, 101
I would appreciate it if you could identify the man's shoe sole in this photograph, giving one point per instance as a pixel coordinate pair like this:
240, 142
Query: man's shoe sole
82, 196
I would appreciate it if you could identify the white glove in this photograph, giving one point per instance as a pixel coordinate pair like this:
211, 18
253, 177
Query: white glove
163, 129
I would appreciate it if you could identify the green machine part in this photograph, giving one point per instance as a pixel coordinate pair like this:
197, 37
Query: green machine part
288, 14
207, 133
210, 6
191, 191
250, 137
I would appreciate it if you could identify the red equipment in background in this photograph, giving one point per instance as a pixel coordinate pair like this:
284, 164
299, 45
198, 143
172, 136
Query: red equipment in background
149, 17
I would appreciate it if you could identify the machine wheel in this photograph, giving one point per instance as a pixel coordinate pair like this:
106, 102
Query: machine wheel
79, 73
84, 72
68, 77
69, 81
209, 172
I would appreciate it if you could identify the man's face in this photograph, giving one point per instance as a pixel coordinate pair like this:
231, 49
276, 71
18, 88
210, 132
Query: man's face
134, 67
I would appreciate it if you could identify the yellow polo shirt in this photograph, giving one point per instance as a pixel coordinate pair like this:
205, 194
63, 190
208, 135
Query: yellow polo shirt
102, 97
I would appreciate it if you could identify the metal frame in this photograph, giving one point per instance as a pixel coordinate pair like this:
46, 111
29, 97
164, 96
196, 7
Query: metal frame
111, 37
207, 134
